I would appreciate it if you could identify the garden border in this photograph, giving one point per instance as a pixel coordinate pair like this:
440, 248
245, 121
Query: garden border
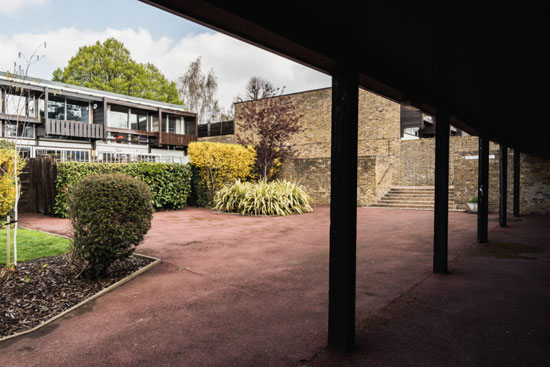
113, 286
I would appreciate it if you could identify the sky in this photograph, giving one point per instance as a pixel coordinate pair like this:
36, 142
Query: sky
152, 35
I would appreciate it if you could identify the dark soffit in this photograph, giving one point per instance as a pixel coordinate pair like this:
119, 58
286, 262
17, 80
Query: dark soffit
485, 63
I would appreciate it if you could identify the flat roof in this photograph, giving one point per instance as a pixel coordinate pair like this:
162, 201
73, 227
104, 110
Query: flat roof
87, 92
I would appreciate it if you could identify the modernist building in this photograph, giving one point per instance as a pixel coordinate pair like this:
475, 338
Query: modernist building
82, 124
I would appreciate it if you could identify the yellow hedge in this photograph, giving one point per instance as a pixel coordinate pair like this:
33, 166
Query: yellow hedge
220, 163
7, 187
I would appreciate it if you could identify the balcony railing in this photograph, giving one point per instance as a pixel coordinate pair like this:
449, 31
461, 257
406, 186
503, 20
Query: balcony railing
74, 128
181, 140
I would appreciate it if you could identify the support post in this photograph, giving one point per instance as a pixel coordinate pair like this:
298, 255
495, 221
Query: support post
343, 210
503, 183
517, 156
441, 206
483, 191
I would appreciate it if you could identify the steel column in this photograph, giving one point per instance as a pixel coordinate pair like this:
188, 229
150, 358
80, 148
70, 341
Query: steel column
483, 191
441, 206
343, 210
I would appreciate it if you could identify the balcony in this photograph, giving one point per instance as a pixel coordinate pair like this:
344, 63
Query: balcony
74, 129
181, 140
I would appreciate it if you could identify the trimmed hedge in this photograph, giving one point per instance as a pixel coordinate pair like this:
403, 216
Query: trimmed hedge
111, 214
170, 184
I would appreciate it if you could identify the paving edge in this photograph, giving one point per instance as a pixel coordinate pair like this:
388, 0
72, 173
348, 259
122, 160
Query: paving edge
97, 295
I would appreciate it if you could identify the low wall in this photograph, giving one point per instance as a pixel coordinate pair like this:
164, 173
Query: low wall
314, 175
228, 139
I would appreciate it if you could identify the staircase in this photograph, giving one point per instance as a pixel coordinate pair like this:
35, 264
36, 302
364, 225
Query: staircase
412, 197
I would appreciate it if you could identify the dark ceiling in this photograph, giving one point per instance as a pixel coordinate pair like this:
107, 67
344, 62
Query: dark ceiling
486, 63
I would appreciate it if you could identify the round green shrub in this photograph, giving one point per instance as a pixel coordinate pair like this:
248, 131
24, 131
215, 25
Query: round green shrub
110, 214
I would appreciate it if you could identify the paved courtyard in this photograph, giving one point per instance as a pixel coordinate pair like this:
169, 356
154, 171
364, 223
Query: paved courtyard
246, 291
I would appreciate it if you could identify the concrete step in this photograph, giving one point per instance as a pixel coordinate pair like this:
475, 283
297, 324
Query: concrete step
426, 202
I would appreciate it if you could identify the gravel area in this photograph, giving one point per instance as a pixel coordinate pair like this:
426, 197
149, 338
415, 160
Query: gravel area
43, 288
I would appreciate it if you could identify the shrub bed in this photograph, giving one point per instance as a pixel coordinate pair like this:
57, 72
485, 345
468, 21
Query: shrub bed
263, 198
170, 184
217, 164
111, 215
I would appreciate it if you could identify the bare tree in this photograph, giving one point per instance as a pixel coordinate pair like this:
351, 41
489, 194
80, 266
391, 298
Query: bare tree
17, 99
258, 88
198, 90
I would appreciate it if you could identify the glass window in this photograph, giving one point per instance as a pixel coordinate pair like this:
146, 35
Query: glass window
154, 123
56, 108
22, 130
31, 106
118, 138
175, 124
138, 120
139, 139
78, 111
15, 104
118, 117
190, 126
49, 152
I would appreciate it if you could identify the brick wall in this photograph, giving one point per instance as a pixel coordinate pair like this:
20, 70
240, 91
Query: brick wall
534, 184
397, 162
314, 175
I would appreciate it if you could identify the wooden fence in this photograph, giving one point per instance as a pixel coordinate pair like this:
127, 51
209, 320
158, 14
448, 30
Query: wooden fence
38, 186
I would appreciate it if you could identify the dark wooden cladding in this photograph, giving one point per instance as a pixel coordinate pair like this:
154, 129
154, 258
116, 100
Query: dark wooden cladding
38, 186
131, 131
23, 119
217, 129
74, 128
180, 140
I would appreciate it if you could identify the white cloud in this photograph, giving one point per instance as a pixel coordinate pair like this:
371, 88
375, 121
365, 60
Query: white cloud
14, 7
233, 61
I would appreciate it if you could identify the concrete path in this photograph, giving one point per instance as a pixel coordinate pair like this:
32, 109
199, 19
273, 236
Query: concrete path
245, 291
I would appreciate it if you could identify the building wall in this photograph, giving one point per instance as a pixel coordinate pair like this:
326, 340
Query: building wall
314, 175
228, 139
392, 161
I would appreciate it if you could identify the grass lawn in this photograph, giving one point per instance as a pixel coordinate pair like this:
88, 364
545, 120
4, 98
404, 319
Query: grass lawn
33, 245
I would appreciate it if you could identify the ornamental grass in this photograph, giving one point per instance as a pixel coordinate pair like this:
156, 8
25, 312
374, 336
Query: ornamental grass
278, 197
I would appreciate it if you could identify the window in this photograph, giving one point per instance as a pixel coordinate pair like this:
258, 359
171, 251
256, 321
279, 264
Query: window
154, 123
118, 117
31, 106
65, 155
189, 126
56, 108
138, 120
118, 138
175, 124
78, 111
15, 104
23, 131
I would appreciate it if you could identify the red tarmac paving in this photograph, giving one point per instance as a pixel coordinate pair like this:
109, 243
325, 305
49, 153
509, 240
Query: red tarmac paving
247, 291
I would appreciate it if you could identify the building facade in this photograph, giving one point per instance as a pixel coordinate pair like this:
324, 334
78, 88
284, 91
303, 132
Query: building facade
75, 123
396, 147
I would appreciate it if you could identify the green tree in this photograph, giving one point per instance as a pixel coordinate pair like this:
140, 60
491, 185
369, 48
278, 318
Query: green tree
108, 66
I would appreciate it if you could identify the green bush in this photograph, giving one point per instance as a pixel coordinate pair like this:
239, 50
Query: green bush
110, 214
217, 164
170, 184
263, 198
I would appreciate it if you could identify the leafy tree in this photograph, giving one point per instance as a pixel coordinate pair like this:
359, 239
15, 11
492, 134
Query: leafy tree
269, 124
109, 66
198, 89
